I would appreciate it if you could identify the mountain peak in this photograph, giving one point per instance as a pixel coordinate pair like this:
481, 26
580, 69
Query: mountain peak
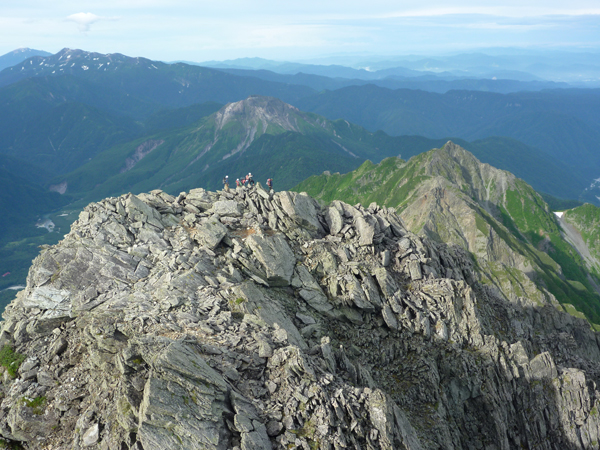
266, 320
69, 61
256, 110
19, 55
463, 169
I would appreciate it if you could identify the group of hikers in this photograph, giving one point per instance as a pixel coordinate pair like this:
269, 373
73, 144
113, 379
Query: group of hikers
247, 181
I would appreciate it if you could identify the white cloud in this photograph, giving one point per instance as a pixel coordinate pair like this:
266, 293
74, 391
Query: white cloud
203, 29
85, 20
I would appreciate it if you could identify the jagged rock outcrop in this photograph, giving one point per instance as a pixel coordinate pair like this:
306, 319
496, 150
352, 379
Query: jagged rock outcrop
252, 320
517, 245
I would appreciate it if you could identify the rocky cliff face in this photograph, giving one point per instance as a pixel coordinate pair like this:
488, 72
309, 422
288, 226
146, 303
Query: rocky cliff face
255, 321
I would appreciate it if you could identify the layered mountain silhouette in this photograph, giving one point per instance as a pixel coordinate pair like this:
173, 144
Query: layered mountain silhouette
106, 80
270, 138
563, 124
90, 125
45, 100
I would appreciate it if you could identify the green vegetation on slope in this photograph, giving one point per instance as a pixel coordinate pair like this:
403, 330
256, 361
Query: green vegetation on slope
11, 360
586, 219
533, 222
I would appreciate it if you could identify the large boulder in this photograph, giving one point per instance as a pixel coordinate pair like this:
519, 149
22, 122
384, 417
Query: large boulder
210, 232
276, 257
302, 209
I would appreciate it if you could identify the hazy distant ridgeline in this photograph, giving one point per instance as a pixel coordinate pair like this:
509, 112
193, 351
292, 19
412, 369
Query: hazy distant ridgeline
565, 124
533, 69
425, 82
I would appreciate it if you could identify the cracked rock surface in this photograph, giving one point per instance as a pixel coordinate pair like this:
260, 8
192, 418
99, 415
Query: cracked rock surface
252, 320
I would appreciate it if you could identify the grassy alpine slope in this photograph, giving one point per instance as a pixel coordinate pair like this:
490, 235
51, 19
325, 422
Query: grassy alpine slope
586, 221
449, 196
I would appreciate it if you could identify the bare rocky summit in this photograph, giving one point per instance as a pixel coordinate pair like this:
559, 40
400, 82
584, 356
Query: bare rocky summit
251, 320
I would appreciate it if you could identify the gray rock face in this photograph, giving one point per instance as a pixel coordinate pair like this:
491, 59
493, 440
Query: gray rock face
301, 208
229, 208
275, 256
248, 320
90, 437
184, 391
210, 232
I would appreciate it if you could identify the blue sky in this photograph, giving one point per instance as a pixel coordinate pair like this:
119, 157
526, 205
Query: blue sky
203, 30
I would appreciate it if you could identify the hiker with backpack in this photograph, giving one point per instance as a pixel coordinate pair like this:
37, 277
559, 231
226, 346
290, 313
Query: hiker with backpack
226, 183
250, 179
270, 183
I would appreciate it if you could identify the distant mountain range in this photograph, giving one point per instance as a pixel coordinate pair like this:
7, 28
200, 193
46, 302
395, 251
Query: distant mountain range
262, 135
430, 83
137, 87
89, 125
270, 138
104, 88
578, 68
564, 124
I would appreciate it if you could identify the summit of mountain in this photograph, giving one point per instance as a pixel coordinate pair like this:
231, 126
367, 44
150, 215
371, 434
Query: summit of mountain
446, 194
70, 61
257, 320
16, 56
261, 111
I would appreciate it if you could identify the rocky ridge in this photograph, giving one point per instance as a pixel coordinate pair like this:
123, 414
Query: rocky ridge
450, 197
254, 320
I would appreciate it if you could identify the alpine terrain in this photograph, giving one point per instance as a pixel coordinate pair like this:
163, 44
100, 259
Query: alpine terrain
446, 194
254, 320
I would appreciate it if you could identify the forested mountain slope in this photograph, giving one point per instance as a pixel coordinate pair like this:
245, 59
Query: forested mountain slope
562, 123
